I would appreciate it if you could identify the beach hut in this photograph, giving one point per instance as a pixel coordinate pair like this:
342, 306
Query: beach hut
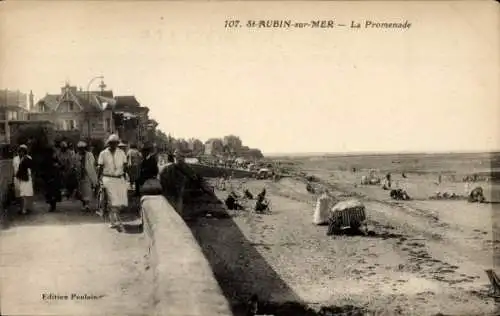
346, 214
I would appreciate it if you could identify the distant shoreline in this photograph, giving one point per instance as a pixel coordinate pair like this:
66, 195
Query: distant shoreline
379, 154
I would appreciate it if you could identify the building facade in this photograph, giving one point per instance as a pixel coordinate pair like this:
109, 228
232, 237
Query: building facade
93, 114
131, 120
14, 98
13, 108
86, 112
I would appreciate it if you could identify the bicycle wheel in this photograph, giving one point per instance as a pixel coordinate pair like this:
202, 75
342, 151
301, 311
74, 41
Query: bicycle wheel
102, 209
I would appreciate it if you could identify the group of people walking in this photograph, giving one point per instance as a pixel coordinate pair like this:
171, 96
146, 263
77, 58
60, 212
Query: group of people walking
69, 173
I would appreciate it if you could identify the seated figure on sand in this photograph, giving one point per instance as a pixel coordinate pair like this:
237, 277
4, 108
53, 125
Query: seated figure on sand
310, 188
248, 194
399, 194
232, 202
262, 203
476, 195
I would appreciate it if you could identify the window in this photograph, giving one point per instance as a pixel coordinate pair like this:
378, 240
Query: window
11, 115
71, 106
68, 125
107, 125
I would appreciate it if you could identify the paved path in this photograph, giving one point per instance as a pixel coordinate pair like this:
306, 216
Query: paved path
48, 258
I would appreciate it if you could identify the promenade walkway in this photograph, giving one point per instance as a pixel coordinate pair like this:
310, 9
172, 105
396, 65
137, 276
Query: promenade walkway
71, 263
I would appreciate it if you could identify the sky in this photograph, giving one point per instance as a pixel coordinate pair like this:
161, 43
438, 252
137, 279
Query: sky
432, 87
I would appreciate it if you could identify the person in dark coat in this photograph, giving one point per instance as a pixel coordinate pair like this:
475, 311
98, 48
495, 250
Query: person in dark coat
170, 158
134, 157
232, 202
67, 157
52, 176
148, 168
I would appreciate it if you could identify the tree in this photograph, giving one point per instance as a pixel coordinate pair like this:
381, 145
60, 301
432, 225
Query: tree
196, 146
254, 153
163, 141
215, 146
228, 146
233, 143
35, 135
182, 145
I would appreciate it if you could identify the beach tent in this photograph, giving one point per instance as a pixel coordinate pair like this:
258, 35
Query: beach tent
192, 160
322, 210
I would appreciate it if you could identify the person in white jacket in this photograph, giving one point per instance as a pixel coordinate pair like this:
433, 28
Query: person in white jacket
112, 169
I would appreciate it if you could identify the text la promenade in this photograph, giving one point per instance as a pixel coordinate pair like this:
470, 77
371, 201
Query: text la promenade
317, 24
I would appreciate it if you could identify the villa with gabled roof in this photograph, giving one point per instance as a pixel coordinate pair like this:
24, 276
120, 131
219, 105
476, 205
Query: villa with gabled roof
94, 114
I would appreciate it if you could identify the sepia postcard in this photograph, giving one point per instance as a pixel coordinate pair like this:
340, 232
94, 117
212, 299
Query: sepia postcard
198, 158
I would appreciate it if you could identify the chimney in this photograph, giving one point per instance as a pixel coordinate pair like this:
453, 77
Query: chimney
31, 101
102, 86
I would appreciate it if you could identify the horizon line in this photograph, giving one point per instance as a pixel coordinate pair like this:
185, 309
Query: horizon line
379, 153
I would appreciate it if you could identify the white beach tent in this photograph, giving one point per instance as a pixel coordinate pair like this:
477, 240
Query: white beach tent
322, 210
191, 160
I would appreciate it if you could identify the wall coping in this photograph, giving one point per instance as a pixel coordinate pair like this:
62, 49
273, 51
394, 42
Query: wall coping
184, 282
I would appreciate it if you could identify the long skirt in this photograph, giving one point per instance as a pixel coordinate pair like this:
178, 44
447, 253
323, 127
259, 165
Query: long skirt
117, 190
23, 188
85, 189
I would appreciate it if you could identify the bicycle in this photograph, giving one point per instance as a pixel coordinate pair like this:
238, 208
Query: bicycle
102, 203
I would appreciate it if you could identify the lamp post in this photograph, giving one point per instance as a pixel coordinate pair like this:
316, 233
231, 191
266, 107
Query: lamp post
88, 100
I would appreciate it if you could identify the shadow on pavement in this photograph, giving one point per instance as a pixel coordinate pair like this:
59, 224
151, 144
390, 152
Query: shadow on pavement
237, 265
133, 229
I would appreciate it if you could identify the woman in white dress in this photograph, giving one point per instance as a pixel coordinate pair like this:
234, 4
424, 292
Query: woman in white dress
23, 183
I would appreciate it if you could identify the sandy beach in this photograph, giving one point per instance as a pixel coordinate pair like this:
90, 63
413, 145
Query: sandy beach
423, 256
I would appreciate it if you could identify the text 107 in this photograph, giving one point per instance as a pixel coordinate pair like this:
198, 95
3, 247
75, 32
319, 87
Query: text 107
231, 23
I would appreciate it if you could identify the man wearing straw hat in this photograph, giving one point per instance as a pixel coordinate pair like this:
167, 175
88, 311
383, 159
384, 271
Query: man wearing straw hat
112, 164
